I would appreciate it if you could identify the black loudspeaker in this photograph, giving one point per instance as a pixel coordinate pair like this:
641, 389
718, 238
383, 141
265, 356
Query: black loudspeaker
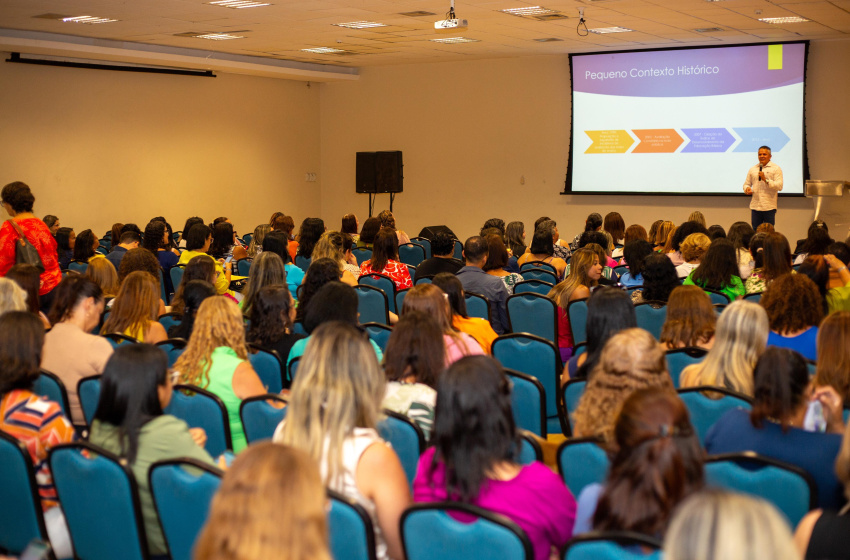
379, 172
430, 231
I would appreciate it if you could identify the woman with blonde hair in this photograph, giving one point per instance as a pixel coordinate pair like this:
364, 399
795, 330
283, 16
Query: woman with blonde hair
691, 319
739, 341
257, 514
331, 245
585, 272
256, 245
833, 344
266, 270
334, 409
631, 359
662, 233
104, 275
433, 301
693, 248
718, 525
135, 309
696, 216
216, 359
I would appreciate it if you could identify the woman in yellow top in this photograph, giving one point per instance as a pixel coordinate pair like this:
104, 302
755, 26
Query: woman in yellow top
198, 243
135, 309
477, 328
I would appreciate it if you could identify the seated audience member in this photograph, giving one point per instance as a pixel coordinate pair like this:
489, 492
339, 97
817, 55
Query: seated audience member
718, 271
543, 250
810, 233
656, 465
129, 421
560, 247
216, 359
431, 300
388, 220
136, 308
631, 359
494, 223
331, 246
690, 319
816, 268
257, 514
350, 225
838, 295
114, 235
609, 311
102, 273
199, 268
497, 262
740, 339
592, 223
833, 367
52, 223
158, 241
600, 243
12, 296
272, 316
70, 350
33, 420
693, 249
278, 243
659, 280
129, 240
697, 216
716, 232
794, 311
757, 281
385, 261
719, 525
139, 259
475, 280
194, 294
766, 228
255, 247
633, 232
309, 234
266, 270
320, 273
371, 227
286, 225
474, 460
615, 226
186, 228
413, 361
27, 276
816, 242
584, 275
740, 234
85, 247
476, 327
442, 259
65, 241
663, 232
224, 244
673, 247
197, 244
515, 240
634, 254
775, 427
334, 409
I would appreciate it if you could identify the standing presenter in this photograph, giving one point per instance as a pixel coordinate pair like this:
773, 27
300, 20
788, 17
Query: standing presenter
764, 181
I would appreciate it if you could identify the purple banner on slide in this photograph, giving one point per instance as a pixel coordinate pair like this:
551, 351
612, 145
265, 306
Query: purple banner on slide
689, 72
704, 140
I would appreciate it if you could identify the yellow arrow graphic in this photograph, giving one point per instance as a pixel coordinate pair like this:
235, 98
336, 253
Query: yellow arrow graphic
609, 141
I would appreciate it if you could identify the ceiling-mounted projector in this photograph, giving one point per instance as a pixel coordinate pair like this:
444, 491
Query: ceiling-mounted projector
452, 22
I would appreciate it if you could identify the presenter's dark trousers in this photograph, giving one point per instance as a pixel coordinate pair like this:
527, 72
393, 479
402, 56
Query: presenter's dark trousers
760, 217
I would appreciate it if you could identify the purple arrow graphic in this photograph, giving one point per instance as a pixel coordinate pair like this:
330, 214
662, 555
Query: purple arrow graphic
707, 140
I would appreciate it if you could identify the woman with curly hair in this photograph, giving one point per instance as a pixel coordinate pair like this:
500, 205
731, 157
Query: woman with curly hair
256, 245
311, 230
135, 309
693, 249
216, 359
690, 319
266, 270
585, 272
631, 359
718, 271
794, 311
659, 280
331, 245
385, 260
773, 262
272, 317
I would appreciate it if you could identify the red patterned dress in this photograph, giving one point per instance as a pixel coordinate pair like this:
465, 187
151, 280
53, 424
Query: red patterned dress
397, 271
39, 235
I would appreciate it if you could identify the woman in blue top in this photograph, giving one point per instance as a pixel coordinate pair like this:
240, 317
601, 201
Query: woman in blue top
794, 311
634, 254
277, 242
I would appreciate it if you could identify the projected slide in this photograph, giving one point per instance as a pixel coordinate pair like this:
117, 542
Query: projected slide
686, 121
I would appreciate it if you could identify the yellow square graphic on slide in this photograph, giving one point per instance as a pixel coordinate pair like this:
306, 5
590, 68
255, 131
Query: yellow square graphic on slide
774, 57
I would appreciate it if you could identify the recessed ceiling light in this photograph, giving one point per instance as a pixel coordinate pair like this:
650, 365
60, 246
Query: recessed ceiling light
88, 19
218, 36
790, 19
360, 24
547, 39
238, 4
708, 30
529, 11
601, 30
323, 50
455, 40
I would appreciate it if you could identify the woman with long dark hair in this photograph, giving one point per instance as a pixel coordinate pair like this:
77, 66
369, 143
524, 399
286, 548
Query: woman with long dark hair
272, 317
476, 327
194, 294
370, 229
277, 242
65, 241
224, 244
311, 230
385, 260
772, 258
659, 279
543, 250
718, 270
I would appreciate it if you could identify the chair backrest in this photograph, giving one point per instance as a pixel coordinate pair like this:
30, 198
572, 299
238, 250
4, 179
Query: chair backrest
423, 242
572, 391
298, 328
163, 292
540, 274
302, 262
379, 333
372, 304
433, 531
21, 519
791, 489
477, 305
577, 314
532, 286
269, 367
424, 279
411, 253
260, 418
582, 462
649, 318
620, 269
243, 267
411, 270
350, 530
77, 266
717, 297
754, 297
538, 265
292, 368
174, 347
362, 255
246, 239
176, 273
458, 252
406, 438
611, 545
529, 448
528, 401
182, 500
88, 391
201, 409
399, 299
100, 499
680, 358
170, 320
534, 314
705, 411
49, 385
540, 359
115, 339
383, 283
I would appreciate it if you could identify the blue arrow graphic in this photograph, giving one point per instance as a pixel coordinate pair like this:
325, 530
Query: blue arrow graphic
752, 138
707, 140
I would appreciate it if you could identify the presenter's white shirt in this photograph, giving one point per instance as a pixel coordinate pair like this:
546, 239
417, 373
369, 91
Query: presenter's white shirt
764, 193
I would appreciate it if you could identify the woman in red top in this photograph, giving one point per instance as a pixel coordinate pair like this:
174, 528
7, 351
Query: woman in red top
385, 260
17, 200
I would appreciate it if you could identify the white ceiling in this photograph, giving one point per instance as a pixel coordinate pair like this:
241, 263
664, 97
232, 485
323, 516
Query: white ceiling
279, 32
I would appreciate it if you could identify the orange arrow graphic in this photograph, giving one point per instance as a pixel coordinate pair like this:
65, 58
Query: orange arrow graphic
609, 141
657, 141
